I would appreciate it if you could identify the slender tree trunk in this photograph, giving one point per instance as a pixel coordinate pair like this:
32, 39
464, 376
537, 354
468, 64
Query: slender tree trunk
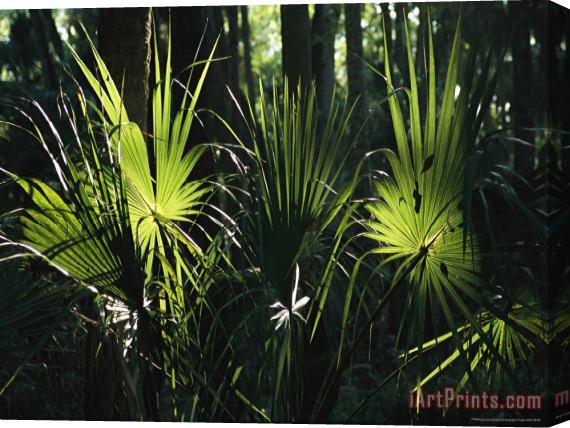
296, 39
50, 75
52, 35
323, 32
50, 38
233, 77
245, 39
188, 26
355, 66
124, 44
220, 74
233, 47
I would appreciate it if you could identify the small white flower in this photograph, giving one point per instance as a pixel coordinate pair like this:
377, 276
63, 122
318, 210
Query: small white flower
282, 317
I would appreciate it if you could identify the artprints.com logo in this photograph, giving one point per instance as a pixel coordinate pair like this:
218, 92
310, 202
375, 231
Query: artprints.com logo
471, 401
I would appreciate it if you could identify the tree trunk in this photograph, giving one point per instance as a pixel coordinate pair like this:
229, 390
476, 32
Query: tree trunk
233, 47
47, 55
219, 74
247, 54
124, 44
188, 25
323, 32
50, 38
354, 64
232, 78
296, 39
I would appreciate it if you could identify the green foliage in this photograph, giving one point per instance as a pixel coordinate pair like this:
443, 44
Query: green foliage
422, 221
506, 338
270, 313
113, 227
296, 214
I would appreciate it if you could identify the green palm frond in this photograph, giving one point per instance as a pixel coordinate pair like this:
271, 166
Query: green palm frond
296, 169
560, 323
83, 229
161, 199
81, 225
30, 307
510, 337
421, 208
117, 229
164, 203
30, 312
292, 230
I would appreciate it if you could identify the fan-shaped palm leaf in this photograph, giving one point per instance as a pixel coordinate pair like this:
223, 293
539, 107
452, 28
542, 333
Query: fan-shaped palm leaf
419, 213
296, 213
509, 337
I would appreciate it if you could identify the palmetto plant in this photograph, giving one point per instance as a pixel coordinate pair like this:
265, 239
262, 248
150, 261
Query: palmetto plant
161, 200
264, 320
83, 230
296, 167
422, 221
123, 232
295, 215
165, 206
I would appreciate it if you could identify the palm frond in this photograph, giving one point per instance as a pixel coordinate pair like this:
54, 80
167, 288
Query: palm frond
421, 206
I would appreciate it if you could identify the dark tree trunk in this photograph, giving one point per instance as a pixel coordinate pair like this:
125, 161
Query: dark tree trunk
323, 32
52, 35
355, 66
188, 26
247, 53
233, 78
124, 44
39, 20
233, 47
48, 32
523, 86
386, 25
219, 75
296, 39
